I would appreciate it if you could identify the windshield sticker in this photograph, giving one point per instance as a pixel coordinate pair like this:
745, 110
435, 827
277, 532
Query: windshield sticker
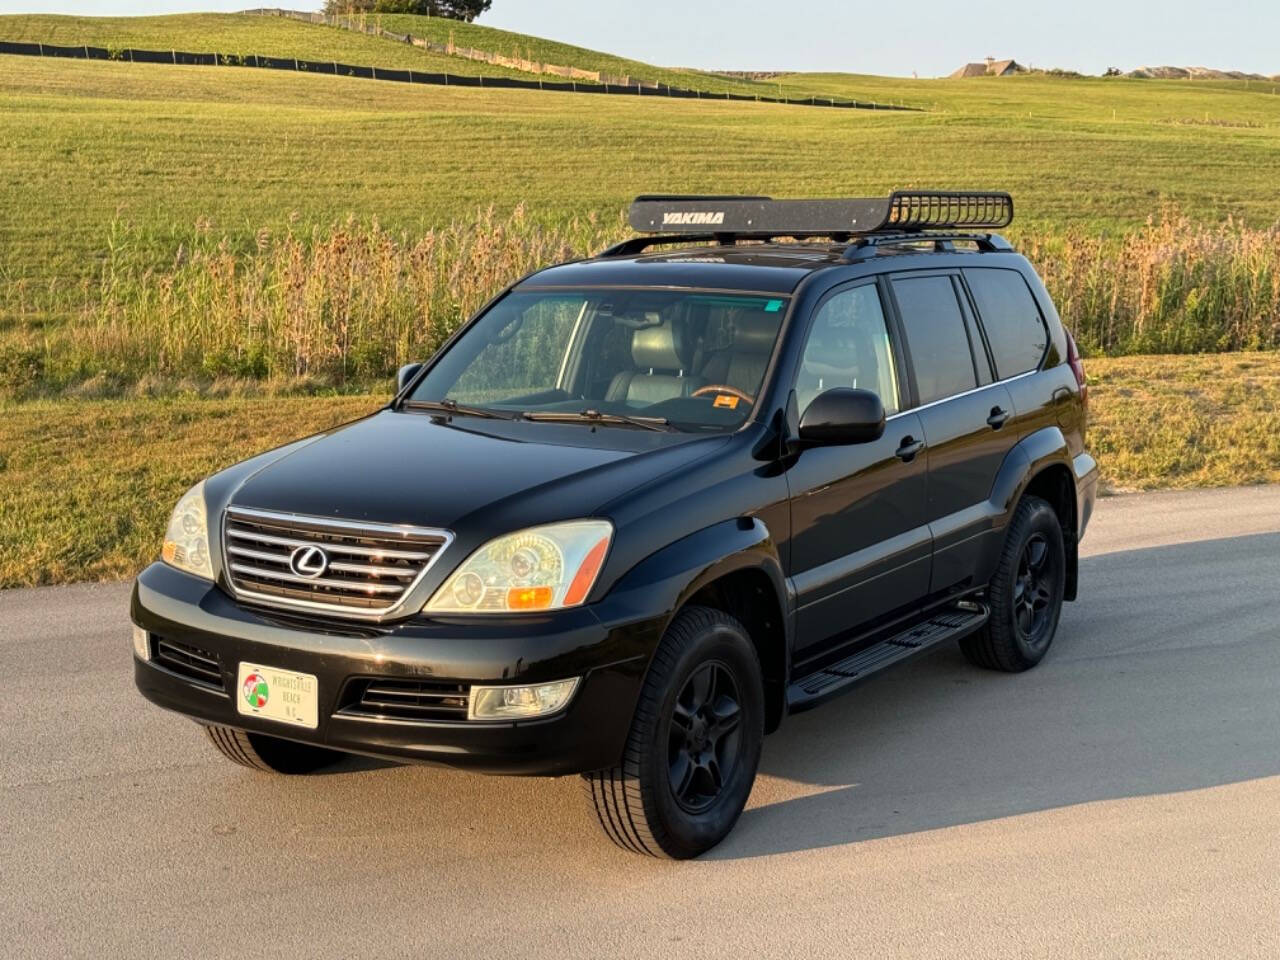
726, 400
773, 306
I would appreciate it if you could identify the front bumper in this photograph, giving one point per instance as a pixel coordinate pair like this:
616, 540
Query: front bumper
608, 649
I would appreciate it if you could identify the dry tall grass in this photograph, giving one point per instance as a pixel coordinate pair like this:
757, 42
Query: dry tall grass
347, 304
1171, 287
344, 304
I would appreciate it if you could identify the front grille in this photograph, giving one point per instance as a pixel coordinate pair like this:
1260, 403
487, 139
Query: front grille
366, 571
406, 699
200, 666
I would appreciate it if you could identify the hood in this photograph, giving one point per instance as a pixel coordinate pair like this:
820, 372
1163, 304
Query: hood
415, 468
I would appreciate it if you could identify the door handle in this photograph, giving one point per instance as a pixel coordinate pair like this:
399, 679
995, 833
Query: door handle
910, 447
998, 416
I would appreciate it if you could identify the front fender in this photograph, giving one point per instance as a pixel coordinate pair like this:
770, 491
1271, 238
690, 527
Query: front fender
667, 579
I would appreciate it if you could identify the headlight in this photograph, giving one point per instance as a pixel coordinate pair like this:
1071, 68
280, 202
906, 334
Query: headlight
186, 542
542, 568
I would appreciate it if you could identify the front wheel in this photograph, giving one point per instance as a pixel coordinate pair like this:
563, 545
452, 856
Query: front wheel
1025, 594
694, 746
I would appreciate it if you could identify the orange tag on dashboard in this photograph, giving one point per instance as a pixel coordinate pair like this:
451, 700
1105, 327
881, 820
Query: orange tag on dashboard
726, 400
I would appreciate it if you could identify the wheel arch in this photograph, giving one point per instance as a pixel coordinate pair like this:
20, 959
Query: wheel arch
1041, 465
734, 567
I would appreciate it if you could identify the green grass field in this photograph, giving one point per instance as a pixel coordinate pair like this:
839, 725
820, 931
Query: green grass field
175, 149
118, 466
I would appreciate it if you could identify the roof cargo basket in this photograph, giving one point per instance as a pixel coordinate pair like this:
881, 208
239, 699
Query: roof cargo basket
764, 218
672, 219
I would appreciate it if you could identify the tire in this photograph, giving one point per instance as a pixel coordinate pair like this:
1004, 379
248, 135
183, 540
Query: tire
686, 773
257, 751
1025, 594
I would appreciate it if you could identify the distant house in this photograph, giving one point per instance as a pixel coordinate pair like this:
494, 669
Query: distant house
990, 68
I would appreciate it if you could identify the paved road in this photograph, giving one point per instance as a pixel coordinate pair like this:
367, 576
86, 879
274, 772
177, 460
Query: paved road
1121, 800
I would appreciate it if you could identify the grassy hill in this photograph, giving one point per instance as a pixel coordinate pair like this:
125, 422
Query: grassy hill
236, 34
1231, 103
510, 44
112, 174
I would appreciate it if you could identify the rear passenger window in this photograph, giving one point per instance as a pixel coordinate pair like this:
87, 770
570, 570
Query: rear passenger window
1015, 330
936, 338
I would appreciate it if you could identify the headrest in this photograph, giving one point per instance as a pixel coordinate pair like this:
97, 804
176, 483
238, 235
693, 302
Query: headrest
754, 332
660, 348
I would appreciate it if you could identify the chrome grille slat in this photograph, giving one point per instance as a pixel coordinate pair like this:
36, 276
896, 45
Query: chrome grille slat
354, 586
282, 558
370, 571
387, 553
406, 699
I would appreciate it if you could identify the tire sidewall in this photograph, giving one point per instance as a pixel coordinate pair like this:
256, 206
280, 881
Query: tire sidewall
726, 643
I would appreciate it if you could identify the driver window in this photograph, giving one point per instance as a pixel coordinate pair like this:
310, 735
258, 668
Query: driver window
848, 346
524, 355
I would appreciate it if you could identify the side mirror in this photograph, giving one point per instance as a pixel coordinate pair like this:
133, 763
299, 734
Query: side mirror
842, 415
405, 374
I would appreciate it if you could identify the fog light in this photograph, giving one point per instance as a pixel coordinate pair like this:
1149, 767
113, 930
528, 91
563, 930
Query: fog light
141, 643
514, 703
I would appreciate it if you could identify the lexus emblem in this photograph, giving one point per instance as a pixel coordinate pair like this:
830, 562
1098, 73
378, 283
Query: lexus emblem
309, 562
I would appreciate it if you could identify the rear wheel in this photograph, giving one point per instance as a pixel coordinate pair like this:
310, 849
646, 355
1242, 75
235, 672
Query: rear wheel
694, 746
1025, 595
271, 754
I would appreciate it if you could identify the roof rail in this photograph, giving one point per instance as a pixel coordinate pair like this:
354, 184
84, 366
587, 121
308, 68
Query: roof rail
864, 248
760, 218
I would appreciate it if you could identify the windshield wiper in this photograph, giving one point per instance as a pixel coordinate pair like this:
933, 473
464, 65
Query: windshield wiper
453, 406
595, 416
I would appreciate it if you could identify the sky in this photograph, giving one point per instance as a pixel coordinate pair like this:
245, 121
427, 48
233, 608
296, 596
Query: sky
926, 37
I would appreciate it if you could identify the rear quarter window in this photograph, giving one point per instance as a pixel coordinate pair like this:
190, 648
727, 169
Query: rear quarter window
1016, 332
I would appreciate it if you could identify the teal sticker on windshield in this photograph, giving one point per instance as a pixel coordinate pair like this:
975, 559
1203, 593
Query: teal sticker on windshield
773, 306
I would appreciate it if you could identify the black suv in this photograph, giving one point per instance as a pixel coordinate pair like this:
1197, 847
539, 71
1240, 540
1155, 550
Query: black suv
643, 506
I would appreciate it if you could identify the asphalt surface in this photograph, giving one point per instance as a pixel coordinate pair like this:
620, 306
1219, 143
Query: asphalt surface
1123, 799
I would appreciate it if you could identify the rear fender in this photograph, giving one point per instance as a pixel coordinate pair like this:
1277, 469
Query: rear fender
1032, 456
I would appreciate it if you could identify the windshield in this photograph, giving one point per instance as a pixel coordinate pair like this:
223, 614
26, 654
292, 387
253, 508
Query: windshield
684, 360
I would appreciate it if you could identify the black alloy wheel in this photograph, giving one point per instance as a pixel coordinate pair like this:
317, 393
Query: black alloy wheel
1034, 590
705, 737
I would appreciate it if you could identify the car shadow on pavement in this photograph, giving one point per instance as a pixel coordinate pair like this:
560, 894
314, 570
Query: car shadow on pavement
1164, 677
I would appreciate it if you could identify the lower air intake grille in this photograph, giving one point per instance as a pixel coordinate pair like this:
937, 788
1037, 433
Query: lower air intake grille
199, 666
362, 570
406, 699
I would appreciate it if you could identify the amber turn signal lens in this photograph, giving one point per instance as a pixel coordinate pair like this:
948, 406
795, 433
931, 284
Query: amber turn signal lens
585, 578
529, 598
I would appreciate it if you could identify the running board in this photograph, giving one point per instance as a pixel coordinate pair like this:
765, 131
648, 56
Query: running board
952, 624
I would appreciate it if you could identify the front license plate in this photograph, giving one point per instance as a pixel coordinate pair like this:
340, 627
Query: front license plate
280, 695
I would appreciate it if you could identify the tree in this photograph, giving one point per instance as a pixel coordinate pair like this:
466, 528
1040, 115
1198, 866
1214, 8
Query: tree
466, 10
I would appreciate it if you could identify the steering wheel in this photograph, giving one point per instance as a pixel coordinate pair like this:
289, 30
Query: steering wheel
724, 388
